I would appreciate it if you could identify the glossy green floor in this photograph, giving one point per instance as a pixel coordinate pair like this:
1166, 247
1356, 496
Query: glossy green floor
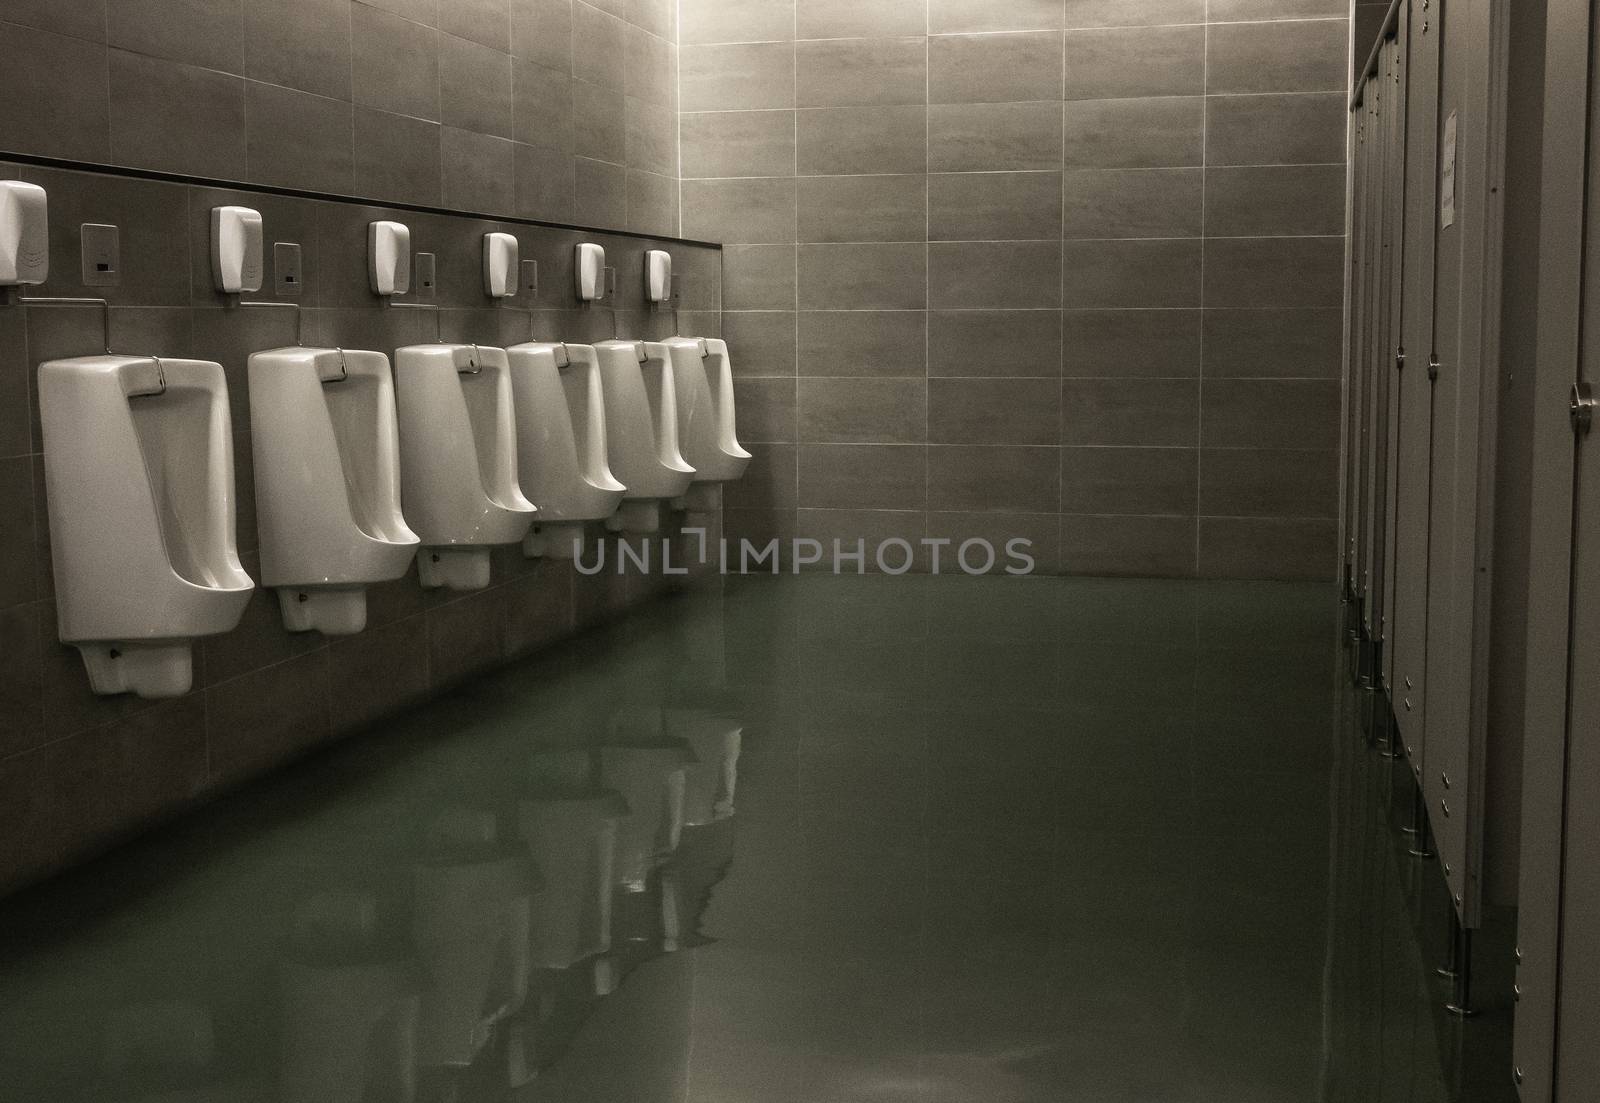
819, 839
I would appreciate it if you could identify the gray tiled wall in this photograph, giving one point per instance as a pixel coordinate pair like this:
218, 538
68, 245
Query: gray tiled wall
1062, 269
77, 770
562, 110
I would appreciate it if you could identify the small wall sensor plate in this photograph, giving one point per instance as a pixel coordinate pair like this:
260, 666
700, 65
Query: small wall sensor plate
423, 275
658, 275
499, 265
236, 249
24, 234
102, 265
589, 266
286, 276
530, 277
389, 257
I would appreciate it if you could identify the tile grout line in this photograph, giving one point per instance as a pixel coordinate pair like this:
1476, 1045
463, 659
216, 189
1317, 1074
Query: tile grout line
1061, 322
1200, 385
678, 113
1011, 33
794, 102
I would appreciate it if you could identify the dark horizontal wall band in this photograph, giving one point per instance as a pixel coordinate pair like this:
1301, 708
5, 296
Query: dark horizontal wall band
330, 197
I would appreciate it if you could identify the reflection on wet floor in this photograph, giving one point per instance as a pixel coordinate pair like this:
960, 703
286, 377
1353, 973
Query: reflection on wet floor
816, 839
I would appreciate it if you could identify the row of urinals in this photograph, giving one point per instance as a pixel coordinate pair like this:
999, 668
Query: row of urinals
358, 469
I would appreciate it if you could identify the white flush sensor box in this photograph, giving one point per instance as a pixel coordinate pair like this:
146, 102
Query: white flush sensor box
499, 265
389, 253
24, 233
590, 269
658, 275
236, 249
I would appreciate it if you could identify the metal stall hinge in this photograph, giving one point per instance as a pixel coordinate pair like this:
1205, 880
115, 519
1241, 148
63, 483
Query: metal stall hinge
1582, 407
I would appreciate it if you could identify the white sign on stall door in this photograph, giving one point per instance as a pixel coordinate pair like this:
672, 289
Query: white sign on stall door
1447, 175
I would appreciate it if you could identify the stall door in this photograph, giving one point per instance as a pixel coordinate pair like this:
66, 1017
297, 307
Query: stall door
1413, 485
1395, 210
1363, 298
1578, 1005
1558, 899
1382, 179
1559, 938
1466, 309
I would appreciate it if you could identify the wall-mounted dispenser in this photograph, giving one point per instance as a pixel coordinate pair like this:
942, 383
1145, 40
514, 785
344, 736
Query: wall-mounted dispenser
138, 464
500, 265
703, 376
589, 268
24, 234
658, 275
327, 474
389, 257
561, 443
458, 460
236, 249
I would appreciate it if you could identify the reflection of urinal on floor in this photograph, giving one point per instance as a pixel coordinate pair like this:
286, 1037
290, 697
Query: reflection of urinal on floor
561, 443
138, 457
166, 1052
714, 740
573, 838
470, 925
650, 777
327, 470
642, 431
458, 460
703, 376
708, 784
349, 1012
570, 829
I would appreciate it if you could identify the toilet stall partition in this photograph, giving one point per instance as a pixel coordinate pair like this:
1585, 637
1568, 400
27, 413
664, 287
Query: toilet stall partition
1430, 351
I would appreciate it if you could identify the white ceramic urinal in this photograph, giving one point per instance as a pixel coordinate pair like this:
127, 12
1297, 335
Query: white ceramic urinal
707, 437
138, 459
561, 443
458, 460
642, 431
327, 469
